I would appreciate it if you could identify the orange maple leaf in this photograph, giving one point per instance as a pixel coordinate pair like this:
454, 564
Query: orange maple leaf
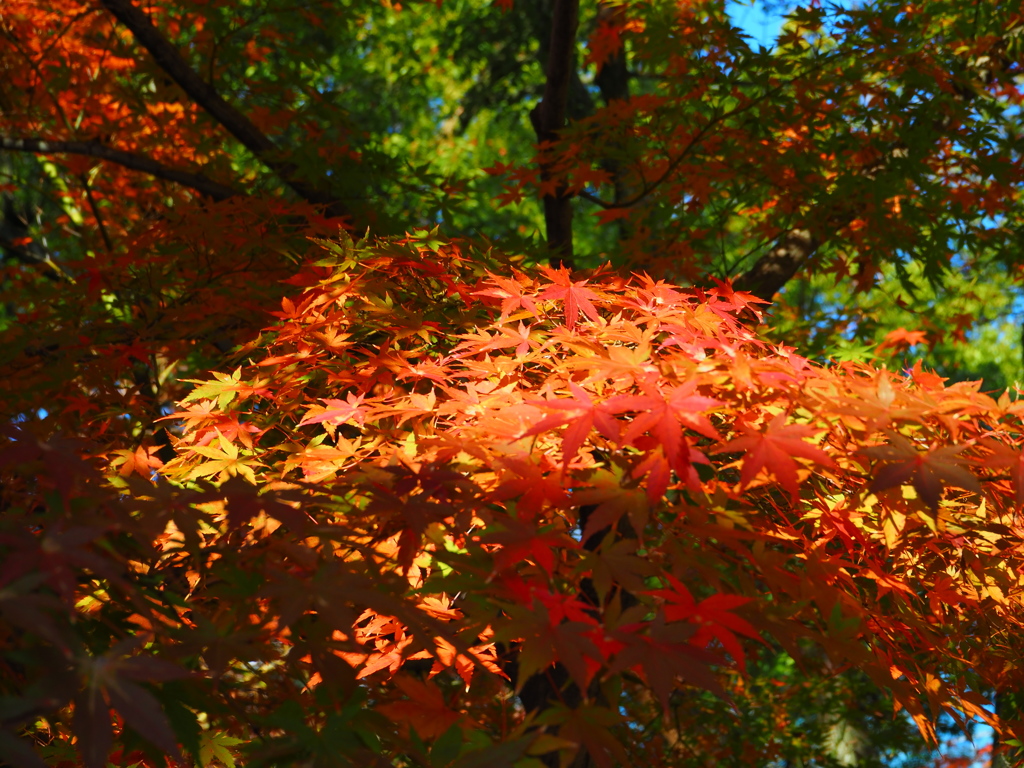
901, 338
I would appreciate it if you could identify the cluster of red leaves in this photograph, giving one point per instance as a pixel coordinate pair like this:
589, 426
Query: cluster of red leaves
437, 478
153, 276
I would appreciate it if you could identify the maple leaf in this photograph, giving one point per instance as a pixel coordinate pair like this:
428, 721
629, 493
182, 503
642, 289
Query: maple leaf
206, 423
664, 656
773, 450
658, 469
225, 460
930, 472
431, 370
447, 656
611, 501
625, 365
439, 607
57, 558
225, 388
605, 41
520, 541
557, 628
655, 297
871, 403
350, 410
390, 655
582, 414
195, 415
511, 294
662, 416
142, 461
713, 616
534, 489
244, 502
114, 678
588, 726
576, 296
901, 338
522, 338
216, 745
609, 215
425, 710
1006, 457
484, 654
736, 303
616, 566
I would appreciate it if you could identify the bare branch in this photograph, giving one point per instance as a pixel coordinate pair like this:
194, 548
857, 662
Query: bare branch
130, 160
204, 94
549, 116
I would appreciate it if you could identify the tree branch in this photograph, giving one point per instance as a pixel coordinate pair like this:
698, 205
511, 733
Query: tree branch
779, 265
130, 160
549, 117
204, 94
23, 255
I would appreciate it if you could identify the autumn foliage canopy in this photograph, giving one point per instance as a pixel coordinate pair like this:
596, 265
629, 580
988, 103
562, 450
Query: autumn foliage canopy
287, 483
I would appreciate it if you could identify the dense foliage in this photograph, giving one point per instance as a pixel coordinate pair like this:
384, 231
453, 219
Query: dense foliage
494, 473
501, 460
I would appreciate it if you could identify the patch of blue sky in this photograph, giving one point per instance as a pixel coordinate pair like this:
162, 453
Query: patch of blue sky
762, 21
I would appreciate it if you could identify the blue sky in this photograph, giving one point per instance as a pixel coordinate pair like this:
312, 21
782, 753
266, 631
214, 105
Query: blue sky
757, 20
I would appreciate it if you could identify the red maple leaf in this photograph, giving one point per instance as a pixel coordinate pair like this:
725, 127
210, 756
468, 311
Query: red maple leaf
582, 414
577, 298
424, 710
774, 449
661, 417
520, 542
665, 655
605, 42
713, 617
